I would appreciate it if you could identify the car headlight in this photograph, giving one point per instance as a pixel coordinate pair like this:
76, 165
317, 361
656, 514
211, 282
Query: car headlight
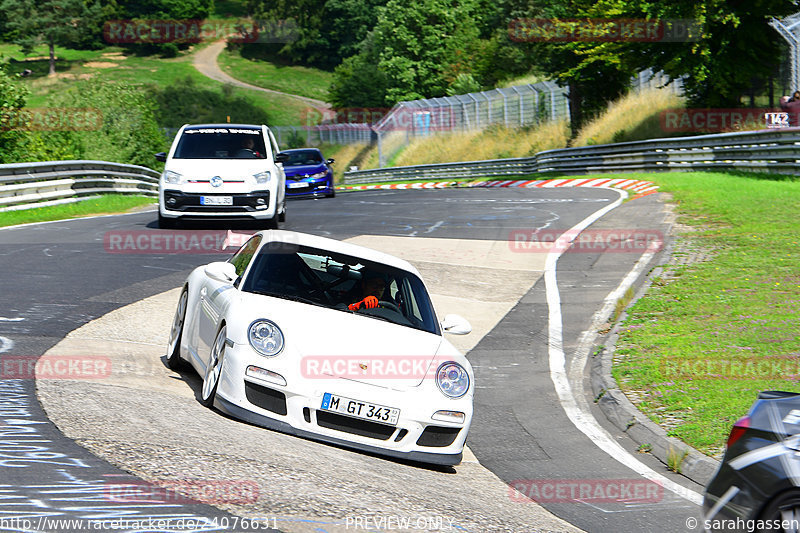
452, 379
172, 177
265, 337
319, 175
263, 177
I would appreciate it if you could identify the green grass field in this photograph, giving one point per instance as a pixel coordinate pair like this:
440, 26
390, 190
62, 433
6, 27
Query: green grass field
695, 351
113, 64
106, 204
292, 79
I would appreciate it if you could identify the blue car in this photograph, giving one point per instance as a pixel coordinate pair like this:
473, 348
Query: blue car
308, 173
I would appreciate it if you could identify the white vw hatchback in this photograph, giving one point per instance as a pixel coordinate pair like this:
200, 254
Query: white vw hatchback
327, 340
222, 171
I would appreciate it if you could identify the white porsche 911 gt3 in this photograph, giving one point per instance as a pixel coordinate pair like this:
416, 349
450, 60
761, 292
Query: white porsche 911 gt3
327, 340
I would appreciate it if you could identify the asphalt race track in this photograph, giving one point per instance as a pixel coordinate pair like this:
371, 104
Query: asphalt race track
143, 419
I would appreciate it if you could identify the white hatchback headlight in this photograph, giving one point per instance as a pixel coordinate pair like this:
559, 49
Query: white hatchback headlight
172, 177
263, 177
452, 379
265, 337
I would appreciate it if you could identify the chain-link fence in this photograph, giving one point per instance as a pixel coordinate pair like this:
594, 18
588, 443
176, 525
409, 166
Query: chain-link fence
648, 79
518, 106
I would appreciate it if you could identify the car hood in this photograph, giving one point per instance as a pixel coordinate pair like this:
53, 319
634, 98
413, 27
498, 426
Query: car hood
225, 168
332, 344
302, 170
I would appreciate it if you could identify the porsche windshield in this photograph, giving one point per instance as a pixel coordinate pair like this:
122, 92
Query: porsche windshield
348, 284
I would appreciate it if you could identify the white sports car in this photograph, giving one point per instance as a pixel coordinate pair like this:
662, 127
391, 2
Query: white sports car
327, 340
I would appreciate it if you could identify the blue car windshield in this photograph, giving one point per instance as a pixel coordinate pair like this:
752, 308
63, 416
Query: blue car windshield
335, 281
303, 157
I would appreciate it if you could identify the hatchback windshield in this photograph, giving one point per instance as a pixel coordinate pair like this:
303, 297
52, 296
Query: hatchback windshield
336, 281
221, 143
303, 157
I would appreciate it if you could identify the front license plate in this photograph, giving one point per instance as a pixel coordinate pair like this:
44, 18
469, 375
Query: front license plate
297, 185
216, 200
359, 409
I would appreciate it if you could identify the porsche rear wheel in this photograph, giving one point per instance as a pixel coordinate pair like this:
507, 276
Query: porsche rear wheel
214, 369
174, 360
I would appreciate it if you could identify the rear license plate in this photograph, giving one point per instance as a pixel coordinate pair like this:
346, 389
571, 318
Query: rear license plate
297, 185
358, 409
216, 200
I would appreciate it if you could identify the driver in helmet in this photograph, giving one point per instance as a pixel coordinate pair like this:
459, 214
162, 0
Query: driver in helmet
371, 289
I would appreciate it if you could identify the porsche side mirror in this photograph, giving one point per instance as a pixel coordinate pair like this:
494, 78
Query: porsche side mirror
161, 156
456, 324
221, 271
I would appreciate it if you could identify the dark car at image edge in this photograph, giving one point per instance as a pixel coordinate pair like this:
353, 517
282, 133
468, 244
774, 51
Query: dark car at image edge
757, 485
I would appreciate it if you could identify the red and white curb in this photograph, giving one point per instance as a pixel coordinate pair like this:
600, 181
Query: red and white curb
640, 187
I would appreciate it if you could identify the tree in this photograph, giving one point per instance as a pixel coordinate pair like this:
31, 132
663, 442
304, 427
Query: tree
592, 71
417, 50
52, 22
12, 99
734, 46
328, 30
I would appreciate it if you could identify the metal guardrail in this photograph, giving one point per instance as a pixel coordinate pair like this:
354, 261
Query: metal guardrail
775, 151
26, 185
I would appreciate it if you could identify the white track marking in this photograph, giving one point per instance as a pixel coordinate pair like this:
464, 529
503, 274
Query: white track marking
581, 418
5, 344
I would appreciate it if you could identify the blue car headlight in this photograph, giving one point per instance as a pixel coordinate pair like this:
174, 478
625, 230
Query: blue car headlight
265, 337
319, 175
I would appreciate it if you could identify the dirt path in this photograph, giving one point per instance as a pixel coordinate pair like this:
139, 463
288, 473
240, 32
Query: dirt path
205, 61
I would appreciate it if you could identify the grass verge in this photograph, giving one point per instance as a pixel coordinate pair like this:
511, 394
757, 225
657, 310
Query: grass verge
105, 204
113, 65
634, 117
721, 324
292, 79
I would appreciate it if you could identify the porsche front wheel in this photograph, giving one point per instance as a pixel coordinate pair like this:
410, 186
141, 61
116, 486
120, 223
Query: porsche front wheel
214, 369
174, 360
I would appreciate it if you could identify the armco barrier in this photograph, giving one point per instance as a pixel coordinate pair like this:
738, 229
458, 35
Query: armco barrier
26, 185
775, 151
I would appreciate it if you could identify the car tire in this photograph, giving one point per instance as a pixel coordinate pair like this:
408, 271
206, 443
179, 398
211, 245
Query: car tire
214, 368
785, 501
166, 222
332, 193
282, 216
174, 360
